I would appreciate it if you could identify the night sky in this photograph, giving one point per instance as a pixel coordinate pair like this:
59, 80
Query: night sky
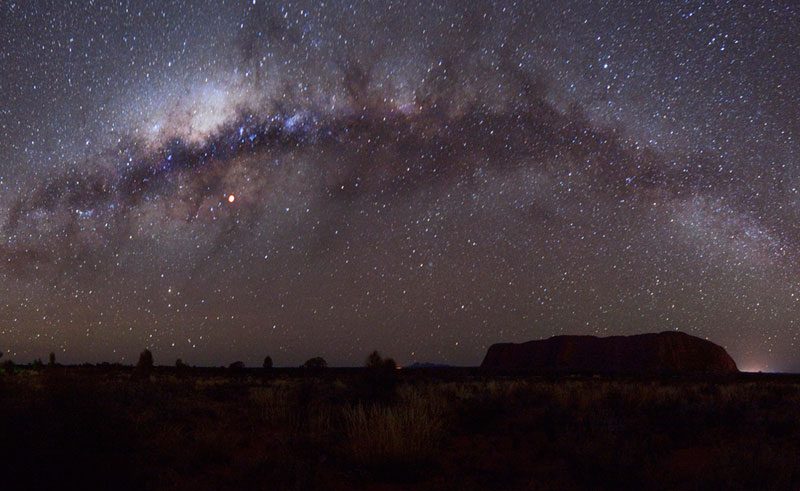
221, 180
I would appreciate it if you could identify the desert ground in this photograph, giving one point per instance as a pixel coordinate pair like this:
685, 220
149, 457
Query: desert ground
111, 427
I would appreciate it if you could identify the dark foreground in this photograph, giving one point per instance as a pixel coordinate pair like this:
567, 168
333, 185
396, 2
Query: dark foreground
434, 429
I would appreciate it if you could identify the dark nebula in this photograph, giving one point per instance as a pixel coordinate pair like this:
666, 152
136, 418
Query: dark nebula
220, 182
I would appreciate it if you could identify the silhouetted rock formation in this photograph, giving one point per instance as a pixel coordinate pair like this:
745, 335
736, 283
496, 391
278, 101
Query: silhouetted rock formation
665, 352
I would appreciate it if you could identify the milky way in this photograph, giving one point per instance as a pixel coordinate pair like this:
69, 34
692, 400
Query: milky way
226, 181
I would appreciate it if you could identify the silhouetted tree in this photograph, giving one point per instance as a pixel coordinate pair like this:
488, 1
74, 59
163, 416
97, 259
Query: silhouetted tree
8, 366
52, 360
181, 368
375, 362
237, 365
267, 363
316, 363
145, 364
380, 376
37, 364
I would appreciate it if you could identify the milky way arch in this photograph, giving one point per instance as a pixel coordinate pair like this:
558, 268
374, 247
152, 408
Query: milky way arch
297, 179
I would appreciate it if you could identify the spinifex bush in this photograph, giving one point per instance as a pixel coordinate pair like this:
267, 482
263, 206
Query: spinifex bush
406, 433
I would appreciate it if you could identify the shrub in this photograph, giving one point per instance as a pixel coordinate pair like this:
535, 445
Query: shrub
267, 363
236, 366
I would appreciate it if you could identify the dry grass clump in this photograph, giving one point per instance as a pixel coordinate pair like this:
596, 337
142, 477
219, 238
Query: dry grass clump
405, 433
274, 403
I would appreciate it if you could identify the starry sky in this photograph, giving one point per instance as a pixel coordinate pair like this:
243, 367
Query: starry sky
222, 180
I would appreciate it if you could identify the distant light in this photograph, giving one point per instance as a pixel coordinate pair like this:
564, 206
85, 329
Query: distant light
231, 198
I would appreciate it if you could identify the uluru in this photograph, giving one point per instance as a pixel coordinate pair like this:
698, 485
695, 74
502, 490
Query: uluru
664, 352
